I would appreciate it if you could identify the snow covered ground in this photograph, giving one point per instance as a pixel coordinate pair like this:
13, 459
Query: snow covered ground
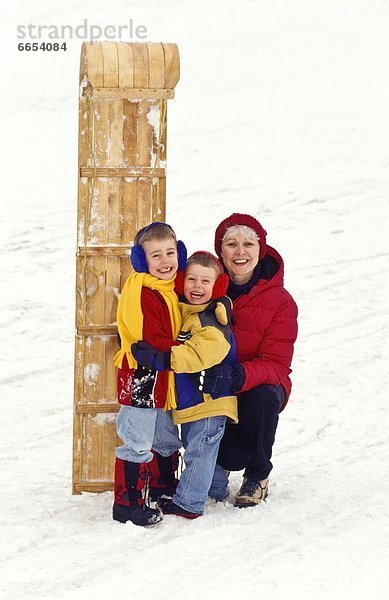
282, 112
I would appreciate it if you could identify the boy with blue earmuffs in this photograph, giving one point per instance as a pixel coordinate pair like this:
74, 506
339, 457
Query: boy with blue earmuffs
147, 310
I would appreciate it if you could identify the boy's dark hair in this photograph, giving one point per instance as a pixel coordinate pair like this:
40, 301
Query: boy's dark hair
205, 259
154, 231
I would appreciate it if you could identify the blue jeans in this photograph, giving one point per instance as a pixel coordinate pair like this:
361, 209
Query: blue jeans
219, 486
201, 441
141, 429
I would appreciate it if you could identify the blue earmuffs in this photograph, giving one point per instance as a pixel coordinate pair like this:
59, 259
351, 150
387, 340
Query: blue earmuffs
138, 256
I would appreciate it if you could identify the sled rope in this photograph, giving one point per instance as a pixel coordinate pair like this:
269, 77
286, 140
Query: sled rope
155, 185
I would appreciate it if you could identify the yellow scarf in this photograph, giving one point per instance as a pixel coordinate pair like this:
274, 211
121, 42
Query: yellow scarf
130, 320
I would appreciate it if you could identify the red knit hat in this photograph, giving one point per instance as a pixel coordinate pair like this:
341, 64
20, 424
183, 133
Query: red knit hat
240, 219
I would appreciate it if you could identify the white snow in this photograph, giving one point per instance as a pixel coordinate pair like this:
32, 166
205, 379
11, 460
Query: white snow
281, 112
91, 371
153, 118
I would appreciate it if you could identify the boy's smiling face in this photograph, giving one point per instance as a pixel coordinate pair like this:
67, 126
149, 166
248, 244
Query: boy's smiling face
161, 257
198, 283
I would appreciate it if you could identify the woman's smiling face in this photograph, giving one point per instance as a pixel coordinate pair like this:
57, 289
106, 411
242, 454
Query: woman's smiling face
240, 256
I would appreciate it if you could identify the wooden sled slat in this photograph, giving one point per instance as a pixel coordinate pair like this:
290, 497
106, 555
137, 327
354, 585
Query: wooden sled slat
122, 172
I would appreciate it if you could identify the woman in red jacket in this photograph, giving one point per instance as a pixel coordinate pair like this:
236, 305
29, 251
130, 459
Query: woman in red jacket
265, 329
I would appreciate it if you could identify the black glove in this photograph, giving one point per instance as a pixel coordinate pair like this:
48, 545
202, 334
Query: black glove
222, 380
149, 357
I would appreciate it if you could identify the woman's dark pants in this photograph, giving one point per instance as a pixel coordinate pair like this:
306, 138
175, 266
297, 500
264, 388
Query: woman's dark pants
248, 444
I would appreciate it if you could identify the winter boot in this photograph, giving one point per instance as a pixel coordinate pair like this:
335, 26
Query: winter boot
252, 492
129, 503
169, 508
163, 481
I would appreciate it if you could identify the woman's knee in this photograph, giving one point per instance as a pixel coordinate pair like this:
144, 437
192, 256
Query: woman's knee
263, 398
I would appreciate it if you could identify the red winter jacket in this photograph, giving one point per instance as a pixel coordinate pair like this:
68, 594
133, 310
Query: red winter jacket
140, 387
265, 328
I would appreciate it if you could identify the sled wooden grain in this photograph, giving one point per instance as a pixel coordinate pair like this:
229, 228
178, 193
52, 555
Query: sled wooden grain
124, 89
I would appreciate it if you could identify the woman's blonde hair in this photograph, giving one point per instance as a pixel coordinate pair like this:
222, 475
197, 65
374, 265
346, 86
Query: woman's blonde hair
246, 232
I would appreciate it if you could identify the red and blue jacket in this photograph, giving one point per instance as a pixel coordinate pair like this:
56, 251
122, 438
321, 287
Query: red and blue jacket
140, 387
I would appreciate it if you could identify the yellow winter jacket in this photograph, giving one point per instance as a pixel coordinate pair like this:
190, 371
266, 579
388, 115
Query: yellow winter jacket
206, 343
